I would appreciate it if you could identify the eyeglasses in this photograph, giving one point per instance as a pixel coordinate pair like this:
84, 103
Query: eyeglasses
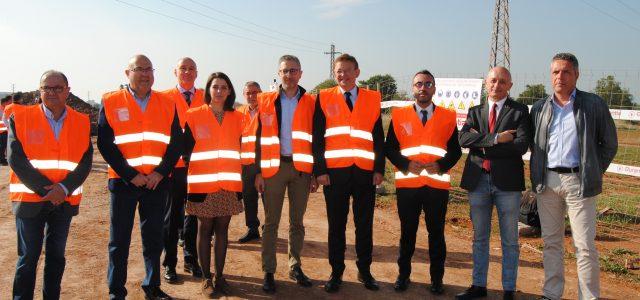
291, 71
52, 89
142, 70
252, 93
420, 84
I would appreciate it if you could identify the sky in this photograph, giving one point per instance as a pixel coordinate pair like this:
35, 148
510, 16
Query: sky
92, 41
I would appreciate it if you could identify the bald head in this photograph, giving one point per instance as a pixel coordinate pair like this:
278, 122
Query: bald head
498, 83
136, 59
54, 73
140, 74
186, 72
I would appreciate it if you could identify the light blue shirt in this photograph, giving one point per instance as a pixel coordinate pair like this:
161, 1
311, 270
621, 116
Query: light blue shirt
142, 102
288, 106
563, 136
354, 95
182, 90
56, 127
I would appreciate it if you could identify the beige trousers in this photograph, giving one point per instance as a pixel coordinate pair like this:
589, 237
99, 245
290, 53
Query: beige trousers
561, 197
296, 183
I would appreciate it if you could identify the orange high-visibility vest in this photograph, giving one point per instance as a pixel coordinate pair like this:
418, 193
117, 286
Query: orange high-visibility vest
348, 135
215, 160
249, 129
197, 100
52, 158
301, 134
10, 109
425, 144
141, 137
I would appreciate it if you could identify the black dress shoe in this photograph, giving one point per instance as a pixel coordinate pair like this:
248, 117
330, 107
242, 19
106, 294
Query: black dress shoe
252, 234
472, 293
369, 282
193, 269
333, 285
509, 295
436, 288
269, 285
297, 275
402, 283
155, 293
170, 275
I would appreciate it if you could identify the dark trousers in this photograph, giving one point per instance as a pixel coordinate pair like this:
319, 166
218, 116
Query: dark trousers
189, 235
125, 198
3, 147
174, 221
250, 196
411, 203
337, 199
51, 229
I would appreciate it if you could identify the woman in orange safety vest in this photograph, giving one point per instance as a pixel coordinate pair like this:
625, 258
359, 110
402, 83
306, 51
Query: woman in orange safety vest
212, 152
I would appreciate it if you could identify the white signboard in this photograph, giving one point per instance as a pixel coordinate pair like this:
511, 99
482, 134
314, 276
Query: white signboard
459, 94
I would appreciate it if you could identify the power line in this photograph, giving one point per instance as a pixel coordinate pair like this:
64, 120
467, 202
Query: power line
237, 26
209, 28
257, 25
629, 7
611, 16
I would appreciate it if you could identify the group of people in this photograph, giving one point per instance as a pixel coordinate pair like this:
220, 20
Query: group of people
188, 150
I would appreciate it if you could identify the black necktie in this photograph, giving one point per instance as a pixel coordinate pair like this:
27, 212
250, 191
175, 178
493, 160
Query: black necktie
425, 114
347, 95
187, 97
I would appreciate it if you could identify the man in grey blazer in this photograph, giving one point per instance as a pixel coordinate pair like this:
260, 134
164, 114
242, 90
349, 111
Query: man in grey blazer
574, 141
50, 155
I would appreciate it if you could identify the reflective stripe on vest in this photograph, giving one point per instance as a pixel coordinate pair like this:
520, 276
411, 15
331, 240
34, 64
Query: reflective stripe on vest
141, 137
215, 160
52, 157
249, 129
21, 188
423, 143
301, 134
348, 135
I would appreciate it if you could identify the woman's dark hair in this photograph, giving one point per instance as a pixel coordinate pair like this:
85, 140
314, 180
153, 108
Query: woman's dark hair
231, 99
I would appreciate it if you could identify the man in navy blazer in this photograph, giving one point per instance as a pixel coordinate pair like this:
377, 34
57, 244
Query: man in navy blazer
497, 135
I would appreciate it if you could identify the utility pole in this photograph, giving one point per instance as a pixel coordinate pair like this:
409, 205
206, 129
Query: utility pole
500, 49
13, 88
332, 53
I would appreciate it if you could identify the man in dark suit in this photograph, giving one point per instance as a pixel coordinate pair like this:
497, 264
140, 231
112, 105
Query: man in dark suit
348, 153
497, 135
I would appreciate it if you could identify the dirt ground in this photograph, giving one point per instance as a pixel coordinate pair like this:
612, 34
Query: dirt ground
85, 274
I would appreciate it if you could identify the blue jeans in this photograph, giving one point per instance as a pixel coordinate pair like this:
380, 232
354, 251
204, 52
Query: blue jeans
50, 228
125, 199
507, 203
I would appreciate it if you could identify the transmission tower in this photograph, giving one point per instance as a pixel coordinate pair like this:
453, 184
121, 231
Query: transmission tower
500, 55
332, 55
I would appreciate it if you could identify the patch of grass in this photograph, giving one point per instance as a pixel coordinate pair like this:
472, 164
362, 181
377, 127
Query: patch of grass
609, 265
622, 251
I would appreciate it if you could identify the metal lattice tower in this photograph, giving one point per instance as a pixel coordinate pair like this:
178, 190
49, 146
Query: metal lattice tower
332, 54
500, 55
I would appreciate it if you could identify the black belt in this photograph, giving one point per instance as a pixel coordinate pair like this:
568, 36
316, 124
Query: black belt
563, 170
284, 158
485, 171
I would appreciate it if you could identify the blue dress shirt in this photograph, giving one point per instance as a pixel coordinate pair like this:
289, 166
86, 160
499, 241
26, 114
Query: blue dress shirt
563, 136
142, 102
288, 106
